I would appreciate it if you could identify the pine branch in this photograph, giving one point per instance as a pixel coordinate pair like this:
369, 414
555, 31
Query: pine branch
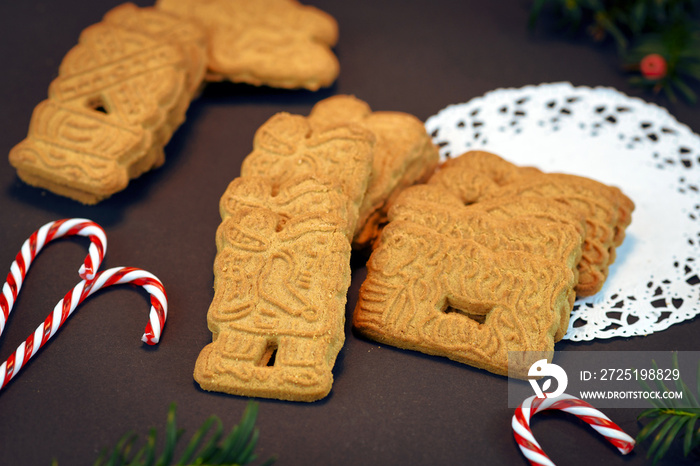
669, 29
669, 422
236, 449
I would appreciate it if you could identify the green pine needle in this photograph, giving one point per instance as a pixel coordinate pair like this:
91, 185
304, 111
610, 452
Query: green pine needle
198, 438
237, 449
688, 436
666, 425
668, 421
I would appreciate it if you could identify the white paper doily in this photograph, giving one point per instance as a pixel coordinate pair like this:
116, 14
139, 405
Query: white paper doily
618, 140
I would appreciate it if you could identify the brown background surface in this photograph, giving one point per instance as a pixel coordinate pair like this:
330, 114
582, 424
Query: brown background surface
95, 380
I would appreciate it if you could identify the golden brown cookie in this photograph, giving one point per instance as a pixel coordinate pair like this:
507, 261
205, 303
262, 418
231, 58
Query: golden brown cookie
487, 258
120, 94
167, 27
607, 212
532, 225
470, 288
277, 43
282, 272
295, 197
287, 146
478, 176
403, 155
282, 267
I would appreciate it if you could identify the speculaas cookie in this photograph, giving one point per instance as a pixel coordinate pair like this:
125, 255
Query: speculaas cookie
455, 281
488, 258
477, 176
277, 43
403, 155
532, 225
281, 278
120, 94
282, 268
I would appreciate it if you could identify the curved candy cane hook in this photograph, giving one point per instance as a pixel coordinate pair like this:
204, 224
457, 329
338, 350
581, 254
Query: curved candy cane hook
121, 275
34, 244
91, 283
570, 404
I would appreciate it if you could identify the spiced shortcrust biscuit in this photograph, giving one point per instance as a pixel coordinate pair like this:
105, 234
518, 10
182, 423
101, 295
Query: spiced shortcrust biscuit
277, 43
403, 155
292, 198
119, 95
281, 277
476, 175
532, 225
450, 295
607, 211
282, 268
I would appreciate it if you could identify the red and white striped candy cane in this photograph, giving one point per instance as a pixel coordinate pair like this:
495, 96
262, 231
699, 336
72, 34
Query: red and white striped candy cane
91, 283
40, 238
65, 307
570, 404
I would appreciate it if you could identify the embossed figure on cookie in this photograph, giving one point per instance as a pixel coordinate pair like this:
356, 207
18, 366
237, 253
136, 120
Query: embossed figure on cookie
532, 225
287, 146
277, 43
119, 96
282, 268
449, 295
281, 277
488, 258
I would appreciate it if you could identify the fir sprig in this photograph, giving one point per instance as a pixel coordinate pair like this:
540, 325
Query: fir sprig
669, 421
236, 449
666, 28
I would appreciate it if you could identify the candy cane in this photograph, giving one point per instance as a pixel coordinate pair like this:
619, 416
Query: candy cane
91, 283
40, 238
570, 404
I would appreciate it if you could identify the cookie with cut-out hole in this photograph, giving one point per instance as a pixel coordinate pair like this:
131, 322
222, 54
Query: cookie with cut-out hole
532, 225
276, 43
281, 276
403, 155
450, 280
119, 95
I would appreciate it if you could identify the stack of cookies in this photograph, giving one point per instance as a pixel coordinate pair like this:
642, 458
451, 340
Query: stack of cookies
478, 176
487, 258
120, 94
282, 268
124, 89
